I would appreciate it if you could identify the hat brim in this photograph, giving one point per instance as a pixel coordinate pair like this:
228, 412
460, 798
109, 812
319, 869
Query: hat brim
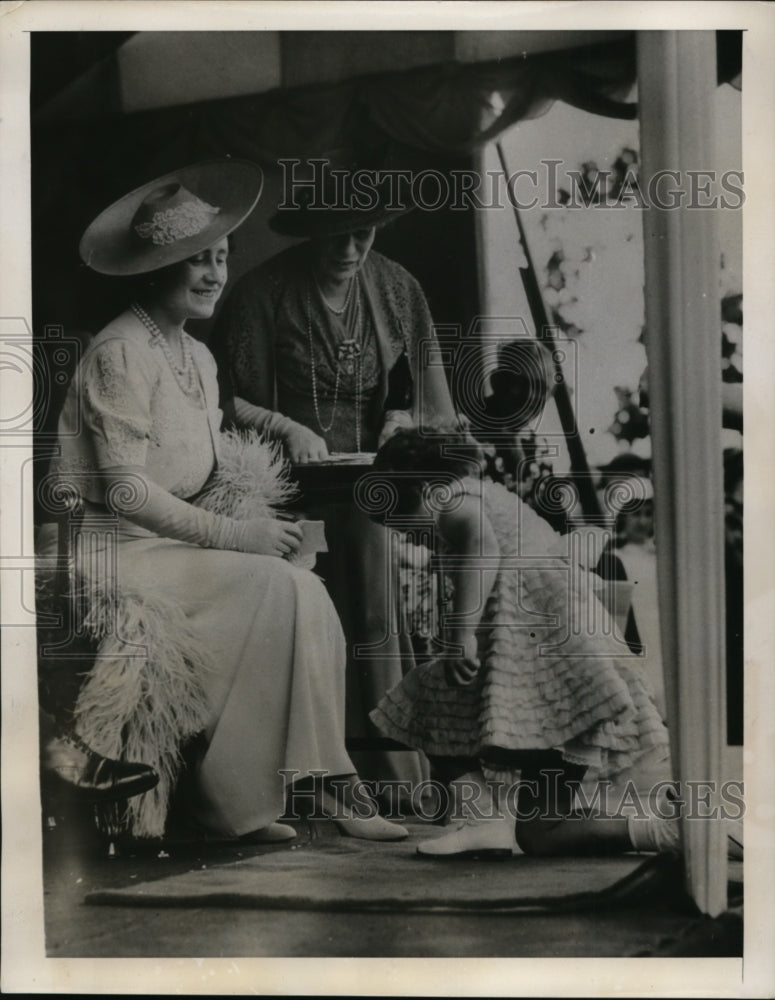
109, 245
312, 222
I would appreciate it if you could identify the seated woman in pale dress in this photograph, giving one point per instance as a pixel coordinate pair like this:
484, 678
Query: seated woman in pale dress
205, 627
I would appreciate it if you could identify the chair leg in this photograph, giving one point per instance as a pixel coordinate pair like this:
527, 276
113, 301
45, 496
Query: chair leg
111, 822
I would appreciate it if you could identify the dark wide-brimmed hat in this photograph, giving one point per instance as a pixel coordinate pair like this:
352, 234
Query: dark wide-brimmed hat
172, 218
328, 205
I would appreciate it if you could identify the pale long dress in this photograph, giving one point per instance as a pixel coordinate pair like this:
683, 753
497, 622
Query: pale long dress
274, 686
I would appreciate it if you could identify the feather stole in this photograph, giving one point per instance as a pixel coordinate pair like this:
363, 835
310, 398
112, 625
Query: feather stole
143, 697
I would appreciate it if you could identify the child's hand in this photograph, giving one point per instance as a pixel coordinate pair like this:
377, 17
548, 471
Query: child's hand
460, 673
461, 670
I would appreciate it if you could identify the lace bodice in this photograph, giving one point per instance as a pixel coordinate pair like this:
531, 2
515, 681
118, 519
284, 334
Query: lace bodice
124, 407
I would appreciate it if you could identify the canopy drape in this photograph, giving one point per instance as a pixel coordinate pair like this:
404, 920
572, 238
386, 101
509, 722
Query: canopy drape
439, 110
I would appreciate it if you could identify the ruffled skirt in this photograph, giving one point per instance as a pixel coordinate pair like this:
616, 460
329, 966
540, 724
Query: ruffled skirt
545, 683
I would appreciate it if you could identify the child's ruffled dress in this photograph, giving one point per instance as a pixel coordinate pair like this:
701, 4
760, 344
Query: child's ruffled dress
553, 674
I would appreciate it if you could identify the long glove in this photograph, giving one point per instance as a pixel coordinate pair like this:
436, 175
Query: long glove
302, 444
131, 493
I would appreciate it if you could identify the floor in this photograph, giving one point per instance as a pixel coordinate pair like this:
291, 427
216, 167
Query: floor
75, 863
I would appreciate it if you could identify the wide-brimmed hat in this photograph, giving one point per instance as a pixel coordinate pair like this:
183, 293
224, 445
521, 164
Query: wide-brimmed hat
329, 205
172, 218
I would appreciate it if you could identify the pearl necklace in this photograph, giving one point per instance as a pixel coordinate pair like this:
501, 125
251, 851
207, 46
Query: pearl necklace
349, 352
333, 309
185, 376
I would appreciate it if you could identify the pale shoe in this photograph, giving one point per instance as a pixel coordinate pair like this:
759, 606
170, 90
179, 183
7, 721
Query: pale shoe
374, 827
274, 833
481, 838
351, 824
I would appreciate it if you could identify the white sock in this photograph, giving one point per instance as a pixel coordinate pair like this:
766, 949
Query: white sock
652, 834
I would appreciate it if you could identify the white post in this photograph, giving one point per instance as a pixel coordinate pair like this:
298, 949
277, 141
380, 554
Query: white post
676, 88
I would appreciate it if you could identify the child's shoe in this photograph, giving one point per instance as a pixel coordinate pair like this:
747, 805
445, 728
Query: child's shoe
473, 838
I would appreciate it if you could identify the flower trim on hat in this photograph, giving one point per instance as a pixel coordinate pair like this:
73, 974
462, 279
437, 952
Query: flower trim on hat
187, 219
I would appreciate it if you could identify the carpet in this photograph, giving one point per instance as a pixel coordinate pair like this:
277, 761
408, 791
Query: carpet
358, 876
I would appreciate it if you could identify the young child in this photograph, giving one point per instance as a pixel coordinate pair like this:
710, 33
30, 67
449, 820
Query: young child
532, 683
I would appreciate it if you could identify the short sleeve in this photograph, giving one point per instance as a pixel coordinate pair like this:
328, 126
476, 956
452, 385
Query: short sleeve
116, 393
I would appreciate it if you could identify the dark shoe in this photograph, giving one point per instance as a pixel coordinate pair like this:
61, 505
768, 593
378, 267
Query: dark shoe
88, 776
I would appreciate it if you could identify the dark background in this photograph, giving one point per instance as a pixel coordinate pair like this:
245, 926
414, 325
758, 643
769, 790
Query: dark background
78, 168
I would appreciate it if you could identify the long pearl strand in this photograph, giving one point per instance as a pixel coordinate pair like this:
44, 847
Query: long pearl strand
357, 341
333, 309
185, 376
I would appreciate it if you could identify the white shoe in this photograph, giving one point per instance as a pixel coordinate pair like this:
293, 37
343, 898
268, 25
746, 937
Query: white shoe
374, 827
274, 833
351, 824
492, 838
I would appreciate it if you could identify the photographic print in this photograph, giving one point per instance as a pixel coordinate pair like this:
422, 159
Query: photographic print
375, 489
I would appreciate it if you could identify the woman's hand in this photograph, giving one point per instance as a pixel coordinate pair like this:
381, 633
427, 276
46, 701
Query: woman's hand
266, 536
388, 430
303, 445
460, 671
394, 421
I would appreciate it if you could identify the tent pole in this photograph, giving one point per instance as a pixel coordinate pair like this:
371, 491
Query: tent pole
546, 337
677, 85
